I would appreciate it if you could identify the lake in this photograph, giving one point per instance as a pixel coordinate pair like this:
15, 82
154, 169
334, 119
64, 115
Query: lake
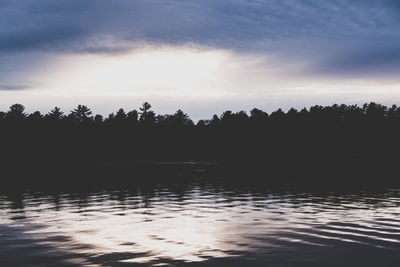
200, 223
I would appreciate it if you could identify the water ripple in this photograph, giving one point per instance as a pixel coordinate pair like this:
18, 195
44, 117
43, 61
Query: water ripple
199, 224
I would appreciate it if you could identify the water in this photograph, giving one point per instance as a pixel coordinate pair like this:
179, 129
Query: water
200, 224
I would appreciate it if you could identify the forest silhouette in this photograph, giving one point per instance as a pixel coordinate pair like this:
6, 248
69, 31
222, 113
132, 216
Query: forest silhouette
346, 143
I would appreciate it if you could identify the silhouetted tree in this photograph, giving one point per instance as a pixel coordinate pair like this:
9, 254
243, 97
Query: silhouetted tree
179, 119
203, 123
120, 115
55, 114
81, 114
144, 109
98, 119
16, 112
375, 112
278, 115
110, 118
241, 115
215, 120
226, 115
147, 117
35, 116
258, 115
133, 117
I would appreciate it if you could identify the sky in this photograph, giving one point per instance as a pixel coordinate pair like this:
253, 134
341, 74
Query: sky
202, 56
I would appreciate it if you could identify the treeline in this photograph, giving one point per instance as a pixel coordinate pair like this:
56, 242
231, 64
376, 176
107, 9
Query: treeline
82, 116
321, 140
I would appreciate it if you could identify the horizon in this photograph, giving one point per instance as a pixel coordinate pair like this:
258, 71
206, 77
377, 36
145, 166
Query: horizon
195, 120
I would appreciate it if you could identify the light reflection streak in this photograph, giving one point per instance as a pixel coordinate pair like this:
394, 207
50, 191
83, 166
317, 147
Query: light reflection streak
201, 224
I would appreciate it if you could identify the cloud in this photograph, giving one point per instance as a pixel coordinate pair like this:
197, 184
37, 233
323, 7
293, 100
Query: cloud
372, 61
236, 24
334, 38
14, 87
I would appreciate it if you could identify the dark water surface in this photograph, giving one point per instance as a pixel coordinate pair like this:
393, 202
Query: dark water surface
200, 223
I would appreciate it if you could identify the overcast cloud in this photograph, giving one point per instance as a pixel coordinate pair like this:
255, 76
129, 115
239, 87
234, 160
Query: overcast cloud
369, 27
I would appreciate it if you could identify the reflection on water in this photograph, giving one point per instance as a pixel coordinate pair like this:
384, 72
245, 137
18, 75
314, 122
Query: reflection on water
203, 224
